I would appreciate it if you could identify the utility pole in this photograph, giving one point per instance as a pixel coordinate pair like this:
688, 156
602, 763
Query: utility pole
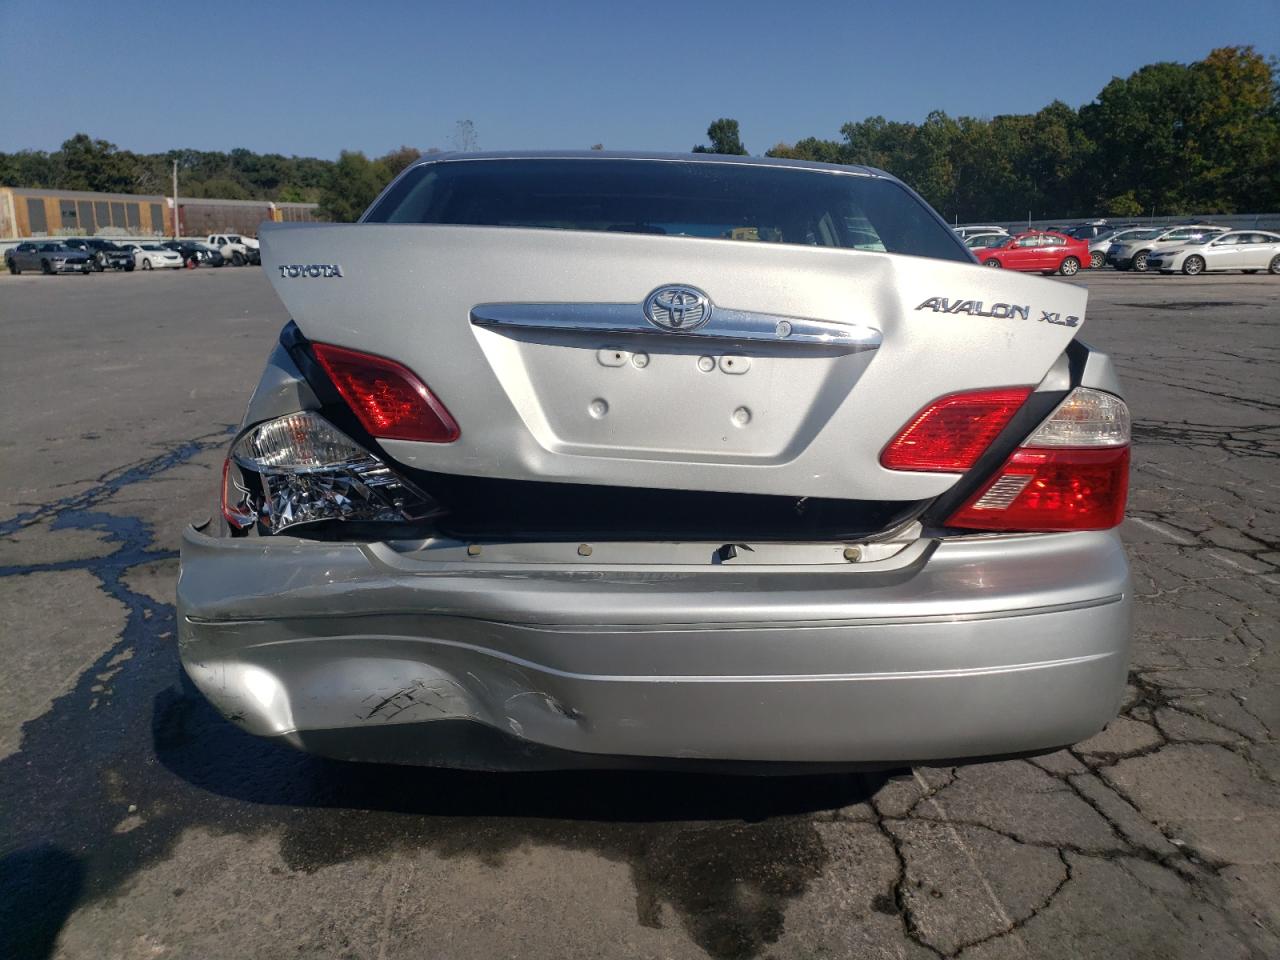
176, 229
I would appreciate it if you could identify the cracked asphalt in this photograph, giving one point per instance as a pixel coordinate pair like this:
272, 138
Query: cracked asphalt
136, 823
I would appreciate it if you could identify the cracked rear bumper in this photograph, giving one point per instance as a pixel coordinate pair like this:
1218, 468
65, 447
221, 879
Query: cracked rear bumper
965, 648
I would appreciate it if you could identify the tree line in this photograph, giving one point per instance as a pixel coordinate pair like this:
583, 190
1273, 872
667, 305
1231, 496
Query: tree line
1171, 138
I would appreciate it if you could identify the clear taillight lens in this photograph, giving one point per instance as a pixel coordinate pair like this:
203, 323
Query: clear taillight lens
298, 442
300, 469
1071, 474
1087, 418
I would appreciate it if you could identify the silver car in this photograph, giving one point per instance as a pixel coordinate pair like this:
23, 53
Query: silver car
573, 460
1131, 252
1250, 251
983, 241
47, 257
969, 230
1099, 246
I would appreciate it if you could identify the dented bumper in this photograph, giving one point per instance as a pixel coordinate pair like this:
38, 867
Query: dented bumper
954, 649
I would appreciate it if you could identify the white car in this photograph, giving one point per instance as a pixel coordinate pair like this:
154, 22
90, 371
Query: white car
1247, 250
152, 256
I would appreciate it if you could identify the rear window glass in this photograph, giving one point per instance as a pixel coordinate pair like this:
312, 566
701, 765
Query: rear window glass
735, 202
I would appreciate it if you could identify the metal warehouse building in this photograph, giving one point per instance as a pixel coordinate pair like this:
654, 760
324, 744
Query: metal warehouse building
41, 213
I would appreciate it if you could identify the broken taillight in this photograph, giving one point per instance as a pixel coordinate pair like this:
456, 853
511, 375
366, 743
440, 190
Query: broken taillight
1071, 474
388, 398
300, 469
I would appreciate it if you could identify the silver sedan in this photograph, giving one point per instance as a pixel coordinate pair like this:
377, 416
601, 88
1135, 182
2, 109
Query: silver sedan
1250, 251
598, 459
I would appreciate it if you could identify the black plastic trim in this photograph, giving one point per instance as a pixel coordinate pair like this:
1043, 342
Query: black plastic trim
473, 745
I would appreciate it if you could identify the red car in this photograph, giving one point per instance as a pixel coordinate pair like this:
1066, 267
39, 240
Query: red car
1038, 252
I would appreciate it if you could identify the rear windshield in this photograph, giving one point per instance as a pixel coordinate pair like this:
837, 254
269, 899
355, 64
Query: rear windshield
672, 198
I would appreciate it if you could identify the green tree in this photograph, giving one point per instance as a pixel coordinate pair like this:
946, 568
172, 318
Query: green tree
724, 137
395, 161
812, 149
1140, 126
353, 185
220, 187
1234, 131
83, 163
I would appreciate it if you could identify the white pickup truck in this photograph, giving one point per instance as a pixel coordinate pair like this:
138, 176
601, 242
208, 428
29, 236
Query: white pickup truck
236, 248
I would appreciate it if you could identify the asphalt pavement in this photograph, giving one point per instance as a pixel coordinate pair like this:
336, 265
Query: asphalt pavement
134, 822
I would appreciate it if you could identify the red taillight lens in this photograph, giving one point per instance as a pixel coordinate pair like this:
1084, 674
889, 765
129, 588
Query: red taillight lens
1047, 489
389, 400
951, 433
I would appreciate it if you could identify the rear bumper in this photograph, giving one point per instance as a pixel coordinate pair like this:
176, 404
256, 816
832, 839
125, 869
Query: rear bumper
959, 649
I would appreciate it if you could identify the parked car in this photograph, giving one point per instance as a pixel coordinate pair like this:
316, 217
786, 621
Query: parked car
252, 249
981, 241
232, 247
1092, 230
47, 257
970, 229
614, 487
108, 255
154, 256
1250, 251
1131, 253
1099, 246
244, 240
1039, 252
193, 251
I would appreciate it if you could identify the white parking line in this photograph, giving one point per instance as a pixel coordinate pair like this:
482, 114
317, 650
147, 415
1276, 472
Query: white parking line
1164, 531
1000, 911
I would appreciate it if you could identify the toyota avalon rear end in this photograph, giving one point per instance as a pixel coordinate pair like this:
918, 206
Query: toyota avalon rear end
582, 460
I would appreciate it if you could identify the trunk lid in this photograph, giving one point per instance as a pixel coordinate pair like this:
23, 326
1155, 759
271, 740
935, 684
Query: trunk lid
537, 342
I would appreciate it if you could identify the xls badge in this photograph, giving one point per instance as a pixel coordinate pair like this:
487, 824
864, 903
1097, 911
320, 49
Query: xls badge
998, 311
311, 270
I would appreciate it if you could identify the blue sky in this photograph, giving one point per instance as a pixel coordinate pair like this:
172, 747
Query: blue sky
314, 78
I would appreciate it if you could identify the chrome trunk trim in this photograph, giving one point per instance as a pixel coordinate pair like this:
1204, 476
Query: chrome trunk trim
739, 326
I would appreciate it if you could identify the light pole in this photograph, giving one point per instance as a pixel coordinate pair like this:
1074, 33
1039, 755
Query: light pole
176, 229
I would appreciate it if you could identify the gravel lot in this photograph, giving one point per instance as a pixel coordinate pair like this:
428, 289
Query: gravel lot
135, 823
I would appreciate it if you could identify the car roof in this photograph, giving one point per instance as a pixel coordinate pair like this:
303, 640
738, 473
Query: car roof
717, 158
